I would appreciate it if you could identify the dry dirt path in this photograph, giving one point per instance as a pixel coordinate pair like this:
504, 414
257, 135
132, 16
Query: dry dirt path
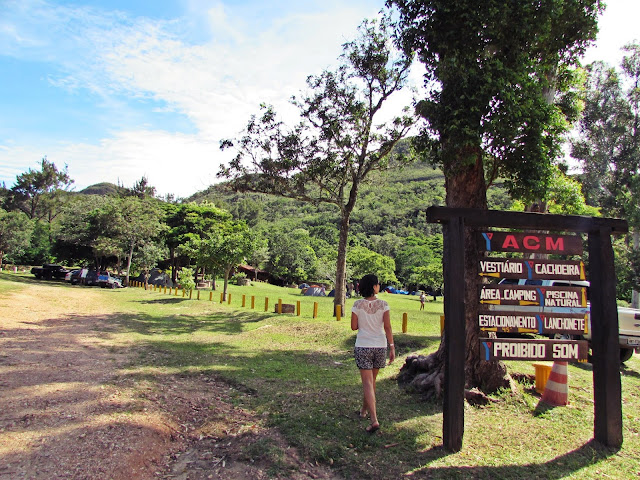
69, 410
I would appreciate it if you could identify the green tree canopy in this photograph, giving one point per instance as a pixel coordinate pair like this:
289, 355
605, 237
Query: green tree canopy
38, 192
291, 256
363, 261
15, 234
340, 140
492, 70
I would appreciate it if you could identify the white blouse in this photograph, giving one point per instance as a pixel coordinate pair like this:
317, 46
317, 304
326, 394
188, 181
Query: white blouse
370, 322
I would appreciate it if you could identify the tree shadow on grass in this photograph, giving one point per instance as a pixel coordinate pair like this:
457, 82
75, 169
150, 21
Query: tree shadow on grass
591, 453
20, 278
220, 322
317, 415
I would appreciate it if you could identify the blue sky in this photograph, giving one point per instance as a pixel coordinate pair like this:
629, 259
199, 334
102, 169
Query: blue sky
120, 89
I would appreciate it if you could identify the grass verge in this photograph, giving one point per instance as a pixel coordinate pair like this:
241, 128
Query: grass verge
298, 372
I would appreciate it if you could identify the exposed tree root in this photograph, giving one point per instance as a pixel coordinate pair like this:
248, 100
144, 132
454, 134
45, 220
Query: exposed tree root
425, 375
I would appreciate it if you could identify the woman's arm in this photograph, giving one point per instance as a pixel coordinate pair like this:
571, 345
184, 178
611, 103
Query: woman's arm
386, 320
354, 321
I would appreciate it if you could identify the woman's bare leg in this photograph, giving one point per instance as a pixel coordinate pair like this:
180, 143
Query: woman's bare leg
369, 393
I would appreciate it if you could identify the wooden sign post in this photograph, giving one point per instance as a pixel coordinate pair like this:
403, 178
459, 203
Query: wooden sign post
604, 320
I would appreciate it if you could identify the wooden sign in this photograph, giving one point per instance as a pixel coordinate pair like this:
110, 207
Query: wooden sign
527, 322
567, 297
530, 269
547, 350
530, 243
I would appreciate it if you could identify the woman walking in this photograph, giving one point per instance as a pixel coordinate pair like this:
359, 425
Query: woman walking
370, 317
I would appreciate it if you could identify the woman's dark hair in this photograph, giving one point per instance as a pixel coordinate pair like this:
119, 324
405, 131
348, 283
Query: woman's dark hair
367, 283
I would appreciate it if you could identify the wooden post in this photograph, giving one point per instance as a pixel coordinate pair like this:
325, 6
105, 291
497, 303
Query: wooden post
221, 297
210, 296
228, 298
338, 312
315, 309
454, 336
244, 298
176, 292
253, 302
298, 308
607, 389
198, 294
404, 322
266, 304
165, 289
279, 305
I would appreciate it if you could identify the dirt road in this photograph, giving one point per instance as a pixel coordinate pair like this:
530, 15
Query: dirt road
69, 409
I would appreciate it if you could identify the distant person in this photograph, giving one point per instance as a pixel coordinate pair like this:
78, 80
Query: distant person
370, 317
423, 298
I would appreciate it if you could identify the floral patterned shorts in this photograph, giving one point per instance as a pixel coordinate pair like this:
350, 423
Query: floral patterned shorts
368, 358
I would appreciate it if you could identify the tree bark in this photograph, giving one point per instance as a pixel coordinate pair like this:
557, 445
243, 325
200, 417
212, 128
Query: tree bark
341, 265
226, 282
635, 296
129, 257
465, 186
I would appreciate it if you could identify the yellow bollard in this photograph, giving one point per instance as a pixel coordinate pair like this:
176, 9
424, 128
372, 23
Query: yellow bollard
266, 304
315, 309
298, 308
279, 305
244, 300
198, 294
190, 293
338, 312
543, 370
229, 298
404, 322
176, 292
165, 290
253, 302
210, 296
184, 293
221, 297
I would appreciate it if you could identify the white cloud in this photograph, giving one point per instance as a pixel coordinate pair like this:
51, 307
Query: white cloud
217, 83
173, 163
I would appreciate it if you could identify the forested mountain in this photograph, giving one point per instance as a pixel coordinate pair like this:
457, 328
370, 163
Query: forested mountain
391, 207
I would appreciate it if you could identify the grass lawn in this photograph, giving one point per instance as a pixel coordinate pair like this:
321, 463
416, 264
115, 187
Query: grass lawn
299, 373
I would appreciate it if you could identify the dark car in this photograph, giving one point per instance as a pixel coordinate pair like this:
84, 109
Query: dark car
50, 271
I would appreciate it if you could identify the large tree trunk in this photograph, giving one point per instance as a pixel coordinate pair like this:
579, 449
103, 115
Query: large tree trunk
341, 264
227, 270
465, 189
635, 297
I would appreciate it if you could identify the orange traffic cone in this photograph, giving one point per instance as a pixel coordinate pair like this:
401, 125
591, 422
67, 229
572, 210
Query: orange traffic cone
556, 391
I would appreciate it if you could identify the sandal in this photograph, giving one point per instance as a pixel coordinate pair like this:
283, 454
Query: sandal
372, 428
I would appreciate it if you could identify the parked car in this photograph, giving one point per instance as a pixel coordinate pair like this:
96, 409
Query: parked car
69, 276
50, 271
106, 280
76, 277
102, 278
628, 318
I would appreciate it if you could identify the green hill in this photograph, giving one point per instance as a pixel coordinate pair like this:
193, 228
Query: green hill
391, 204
